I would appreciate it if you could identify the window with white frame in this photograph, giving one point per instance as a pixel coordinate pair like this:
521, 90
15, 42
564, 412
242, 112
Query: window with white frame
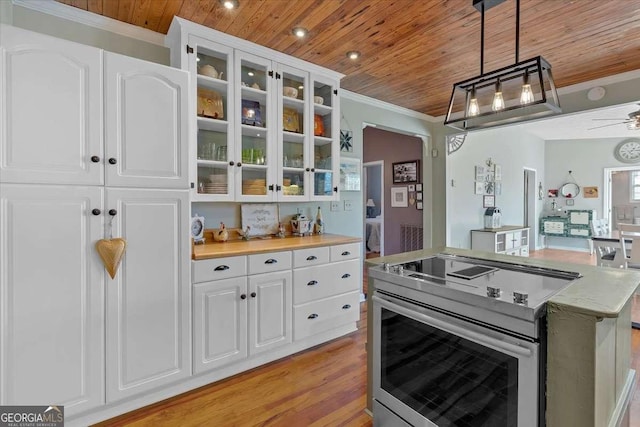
635, 186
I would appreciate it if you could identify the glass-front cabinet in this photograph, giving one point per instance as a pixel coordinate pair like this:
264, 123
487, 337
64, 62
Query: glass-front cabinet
267, 125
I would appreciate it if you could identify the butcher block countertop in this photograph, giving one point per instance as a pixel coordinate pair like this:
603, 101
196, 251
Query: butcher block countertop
257, 245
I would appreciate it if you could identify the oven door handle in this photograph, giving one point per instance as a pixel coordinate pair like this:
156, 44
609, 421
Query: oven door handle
454, 329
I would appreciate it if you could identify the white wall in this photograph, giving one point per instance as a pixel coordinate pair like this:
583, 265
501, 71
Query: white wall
513, 151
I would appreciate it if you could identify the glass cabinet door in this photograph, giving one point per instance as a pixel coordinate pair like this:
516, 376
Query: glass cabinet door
212, 64
324, 157
294, 130
255, 153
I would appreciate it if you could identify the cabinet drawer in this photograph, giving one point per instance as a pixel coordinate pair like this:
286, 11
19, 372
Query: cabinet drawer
265, 263
325, 280
579, 232
311, 256
324, 315
343, 252
218, 268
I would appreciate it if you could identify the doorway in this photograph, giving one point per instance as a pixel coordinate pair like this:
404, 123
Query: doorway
529, 210
618, 201
374, 208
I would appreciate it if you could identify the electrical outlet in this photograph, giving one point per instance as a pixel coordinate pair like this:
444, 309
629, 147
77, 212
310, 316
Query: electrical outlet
335, 206
347, 205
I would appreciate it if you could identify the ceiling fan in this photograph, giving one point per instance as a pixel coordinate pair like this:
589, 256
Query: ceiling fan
633, 122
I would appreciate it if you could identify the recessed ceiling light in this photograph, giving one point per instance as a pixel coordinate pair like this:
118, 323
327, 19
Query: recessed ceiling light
230, 4
300, 32
353, 54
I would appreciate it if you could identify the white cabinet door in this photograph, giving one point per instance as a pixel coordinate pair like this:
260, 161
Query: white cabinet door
146, 124
270, 301
51, 297
148, 313
50, 110
219, 323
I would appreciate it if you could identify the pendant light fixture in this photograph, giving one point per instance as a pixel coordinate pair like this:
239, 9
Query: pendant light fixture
519, 92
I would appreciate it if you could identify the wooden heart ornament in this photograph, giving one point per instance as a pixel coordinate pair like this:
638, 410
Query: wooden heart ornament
111, 252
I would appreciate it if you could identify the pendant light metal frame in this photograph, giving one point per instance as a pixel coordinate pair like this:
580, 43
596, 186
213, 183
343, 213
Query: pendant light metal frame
538, 75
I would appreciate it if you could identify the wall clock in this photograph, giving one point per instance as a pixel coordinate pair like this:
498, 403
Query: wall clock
628, 151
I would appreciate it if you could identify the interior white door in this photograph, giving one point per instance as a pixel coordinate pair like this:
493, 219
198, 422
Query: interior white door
148, 305
51, 297
270, 306
50, 110
146, 124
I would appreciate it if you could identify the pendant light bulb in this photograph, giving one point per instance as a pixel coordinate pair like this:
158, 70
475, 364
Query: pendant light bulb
526, 96
474, 109
498, 100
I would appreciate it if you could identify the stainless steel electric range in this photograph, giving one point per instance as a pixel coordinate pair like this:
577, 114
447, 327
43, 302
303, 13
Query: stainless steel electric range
460, 341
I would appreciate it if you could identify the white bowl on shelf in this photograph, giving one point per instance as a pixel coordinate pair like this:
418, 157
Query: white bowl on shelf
318, 100
290, 92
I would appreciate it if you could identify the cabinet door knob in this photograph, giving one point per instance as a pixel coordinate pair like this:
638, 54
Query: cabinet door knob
335, 189
345, 253
231, 163
95, 159
346, 275
96, 212
112, 161
312, 283
113, 212
307, 169
313, 169
312, 316
271, 261
239, 164
346, 306
312, 258
278, 188
271, 187
221, 268
253, 294
243, 296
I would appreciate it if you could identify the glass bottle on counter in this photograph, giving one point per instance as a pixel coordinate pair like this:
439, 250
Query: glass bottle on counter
319, 225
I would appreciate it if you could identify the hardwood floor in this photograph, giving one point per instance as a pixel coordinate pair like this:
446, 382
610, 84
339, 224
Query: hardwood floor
323, 386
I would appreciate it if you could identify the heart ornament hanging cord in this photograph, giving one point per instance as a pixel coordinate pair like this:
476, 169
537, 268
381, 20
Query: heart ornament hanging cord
111, 252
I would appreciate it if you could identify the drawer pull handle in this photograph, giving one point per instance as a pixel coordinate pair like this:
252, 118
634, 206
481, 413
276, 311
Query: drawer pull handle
271, 261
312, 258
345, 253
312, 316
346, 275
221, 268
346, 306
312, 283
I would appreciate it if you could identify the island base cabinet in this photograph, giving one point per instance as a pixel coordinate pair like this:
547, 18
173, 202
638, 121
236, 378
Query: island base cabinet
148, 304
219, 323
51, 297
326, 314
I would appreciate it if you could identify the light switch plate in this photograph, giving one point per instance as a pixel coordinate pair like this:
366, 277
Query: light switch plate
335, 206
347, 205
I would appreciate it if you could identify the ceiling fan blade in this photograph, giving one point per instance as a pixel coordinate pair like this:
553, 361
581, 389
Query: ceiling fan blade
604, 126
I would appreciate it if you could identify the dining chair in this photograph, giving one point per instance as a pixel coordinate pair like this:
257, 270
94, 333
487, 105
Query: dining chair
630, 233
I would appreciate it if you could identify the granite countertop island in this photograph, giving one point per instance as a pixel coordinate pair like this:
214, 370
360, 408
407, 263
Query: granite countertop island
589, 375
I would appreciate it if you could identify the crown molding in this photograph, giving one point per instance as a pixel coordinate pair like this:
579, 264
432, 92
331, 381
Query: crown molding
385, 105
81, 16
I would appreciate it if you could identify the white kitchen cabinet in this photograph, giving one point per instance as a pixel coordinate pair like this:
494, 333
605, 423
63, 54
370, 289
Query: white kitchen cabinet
59, 85
51, 111
62, 332
219, 323
270, 324
509, 240
51, 296
146, 124
254, 143
148, 304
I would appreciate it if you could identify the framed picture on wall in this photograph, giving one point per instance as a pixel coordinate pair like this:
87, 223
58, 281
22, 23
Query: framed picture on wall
489, 201
399, 197
419, 206
405, 172
418, 187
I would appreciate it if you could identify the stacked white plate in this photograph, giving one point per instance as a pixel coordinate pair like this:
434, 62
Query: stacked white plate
218, 184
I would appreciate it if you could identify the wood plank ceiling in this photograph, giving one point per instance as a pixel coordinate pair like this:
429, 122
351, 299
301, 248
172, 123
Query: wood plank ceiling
413, 51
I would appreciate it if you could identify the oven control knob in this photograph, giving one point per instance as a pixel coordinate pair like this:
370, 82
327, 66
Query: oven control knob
400, 270
521, 298
493, 292
386, 266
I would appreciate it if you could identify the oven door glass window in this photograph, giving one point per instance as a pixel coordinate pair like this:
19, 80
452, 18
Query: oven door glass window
451, 381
